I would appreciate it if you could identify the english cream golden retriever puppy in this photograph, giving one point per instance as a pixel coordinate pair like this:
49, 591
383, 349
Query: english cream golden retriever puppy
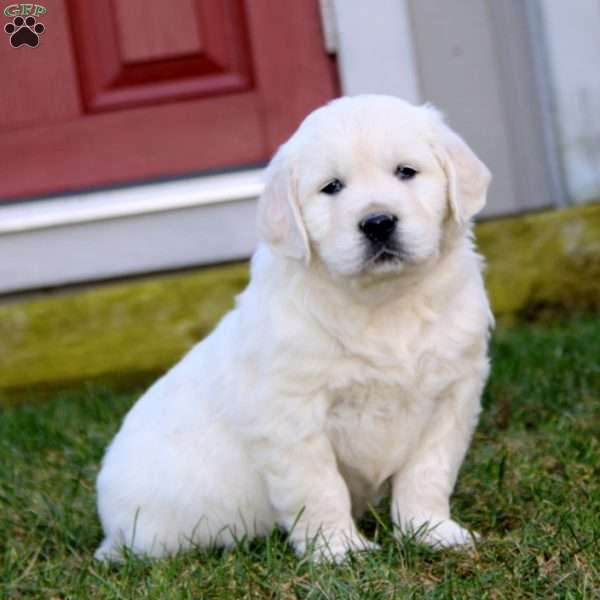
351, 366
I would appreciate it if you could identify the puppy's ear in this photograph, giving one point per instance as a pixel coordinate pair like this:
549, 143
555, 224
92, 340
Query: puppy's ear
468, 178
279, 220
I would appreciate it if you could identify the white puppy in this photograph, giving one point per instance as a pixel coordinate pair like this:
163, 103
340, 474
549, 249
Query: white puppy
353, 363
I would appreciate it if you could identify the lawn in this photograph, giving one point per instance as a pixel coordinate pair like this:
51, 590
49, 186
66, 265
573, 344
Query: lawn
530, 485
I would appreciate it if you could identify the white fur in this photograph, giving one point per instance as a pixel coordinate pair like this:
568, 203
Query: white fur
332, 380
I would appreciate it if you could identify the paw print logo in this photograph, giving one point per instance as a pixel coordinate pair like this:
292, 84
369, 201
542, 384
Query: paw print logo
24, 32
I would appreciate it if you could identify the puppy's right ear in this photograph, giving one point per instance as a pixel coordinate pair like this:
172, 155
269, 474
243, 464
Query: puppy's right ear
279, 220
468, 178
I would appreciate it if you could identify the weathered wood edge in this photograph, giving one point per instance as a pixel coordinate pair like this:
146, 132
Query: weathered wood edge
126, 333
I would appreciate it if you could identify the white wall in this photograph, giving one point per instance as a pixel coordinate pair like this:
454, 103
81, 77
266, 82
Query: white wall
572, 37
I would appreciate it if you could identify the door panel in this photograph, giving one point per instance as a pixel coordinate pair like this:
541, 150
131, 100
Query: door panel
127, 145
146, 29
38, 85
123, 65
134, 90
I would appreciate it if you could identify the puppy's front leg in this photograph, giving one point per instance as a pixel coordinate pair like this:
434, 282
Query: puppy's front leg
311, 498
421, 489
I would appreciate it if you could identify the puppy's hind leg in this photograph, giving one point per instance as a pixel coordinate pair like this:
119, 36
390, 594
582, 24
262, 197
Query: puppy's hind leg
157, 499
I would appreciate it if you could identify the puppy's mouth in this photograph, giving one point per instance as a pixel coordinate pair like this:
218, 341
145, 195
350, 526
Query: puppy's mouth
384, 254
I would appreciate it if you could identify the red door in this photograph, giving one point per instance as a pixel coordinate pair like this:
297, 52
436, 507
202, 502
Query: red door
124, 90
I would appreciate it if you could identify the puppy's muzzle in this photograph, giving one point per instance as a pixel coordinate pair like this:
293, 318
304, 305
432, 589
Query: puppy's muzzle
379, 227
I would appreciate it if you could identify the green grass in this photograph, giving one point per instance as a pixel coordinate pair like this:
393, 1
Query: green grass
530, 485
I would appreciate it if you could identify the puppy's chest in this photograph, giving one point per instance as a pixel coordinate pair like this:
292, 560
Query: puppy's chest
384, 390
373, 428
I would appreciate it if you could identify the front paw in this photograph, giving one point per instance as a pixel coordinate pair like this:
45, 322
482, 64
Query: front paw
443, 533
337, 548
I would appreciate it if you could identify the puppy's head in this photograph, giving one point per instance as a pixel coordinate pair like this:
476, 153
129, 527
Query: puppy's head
368, 185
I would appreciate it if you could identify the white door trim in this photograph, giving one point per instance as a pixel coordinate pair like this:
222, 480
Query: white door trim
126, 202
114, 233
375, 48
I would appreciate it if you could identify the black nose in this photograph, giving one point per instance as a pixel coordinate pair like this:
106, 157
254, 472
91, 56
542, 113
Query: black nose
378, 227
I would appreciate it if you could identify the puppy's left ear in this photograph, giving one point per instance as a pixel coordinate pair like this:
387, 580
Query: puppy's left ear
468, 177
279, 219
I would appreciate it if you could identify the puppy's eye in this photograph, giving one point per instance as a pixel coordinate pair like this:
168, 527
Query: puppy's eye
405, 172
333, 187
